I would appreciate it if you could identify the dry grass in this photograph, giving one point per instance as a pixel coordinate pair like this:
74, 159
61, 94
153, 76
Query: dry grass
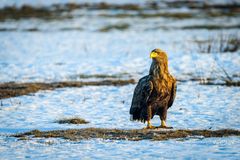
221, 44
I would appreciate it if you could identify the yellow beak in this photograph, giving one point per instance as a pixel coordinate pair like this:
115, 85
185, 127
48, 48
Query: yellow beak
153, 55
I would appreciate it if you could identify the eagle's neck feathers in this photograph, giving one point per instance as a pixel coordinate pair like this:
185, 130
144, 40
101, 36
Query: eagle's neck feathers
159, 70
160, 74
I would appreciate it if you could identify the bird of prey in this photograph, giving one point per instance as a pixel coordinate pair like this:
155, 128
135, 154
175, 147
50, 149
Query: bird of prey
155, 92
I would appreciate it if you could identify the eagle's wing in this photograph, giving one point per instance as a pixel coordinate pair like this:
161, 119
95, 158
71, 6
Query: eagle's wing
173, 93
141, 95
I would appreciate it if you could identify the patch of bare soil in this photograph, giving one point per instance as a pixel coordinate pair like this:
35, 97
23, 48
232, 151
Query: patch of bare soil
226, 83
12, 89
132, 134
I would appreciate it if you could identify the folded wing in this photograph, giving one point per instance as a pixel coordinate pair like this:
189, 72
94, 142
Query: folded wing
141, 95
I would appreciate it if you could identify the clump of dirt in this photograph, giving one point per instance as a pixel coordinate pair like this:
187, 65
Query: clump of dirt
72, 121
121, 27
12, 89
132, 134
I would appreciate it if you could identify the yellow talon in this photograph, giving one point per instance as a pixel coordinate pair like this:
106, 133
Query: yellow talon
149, 125
163, 124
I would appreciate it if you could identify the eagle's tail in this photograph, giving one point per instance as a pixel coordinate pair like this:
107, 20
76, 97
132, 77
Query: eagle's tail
138, 116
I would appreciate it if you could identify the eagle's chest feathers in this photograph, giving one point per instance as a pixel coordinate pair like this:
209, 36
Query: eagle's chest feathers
162, 86
161, 91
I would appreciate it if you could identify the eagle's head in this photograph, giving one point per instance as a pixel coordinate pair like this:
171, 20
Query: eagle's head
159, 55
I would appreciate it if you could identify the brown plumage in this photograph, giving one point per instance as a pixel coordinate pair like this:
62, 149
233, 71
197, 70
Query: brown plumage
154, 93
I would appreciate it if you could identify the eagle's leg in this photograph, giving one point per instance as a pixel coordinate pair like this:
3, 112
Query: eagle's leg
149, 116
163, 117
